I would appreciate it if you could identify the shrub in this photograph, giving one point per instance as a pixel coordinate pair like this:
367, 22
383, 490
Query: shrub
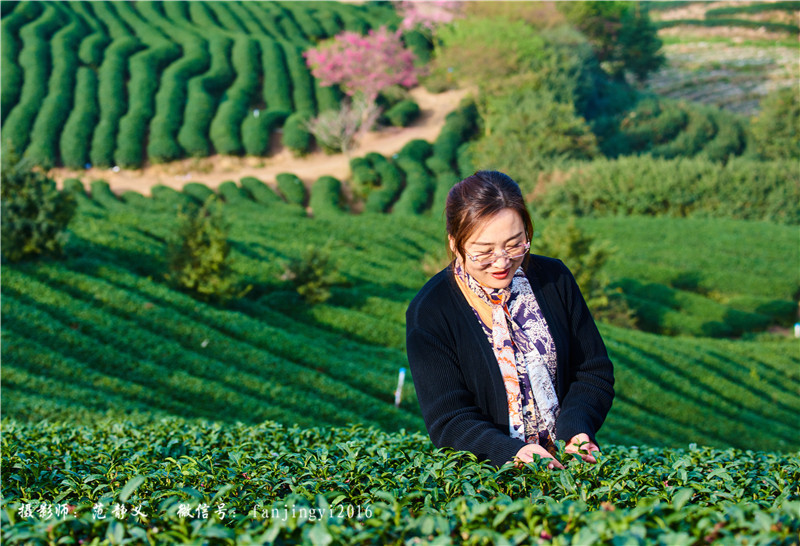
34, 213
77, 134
403, 113
111, 98
35, 59
198, 191
225, 128
326, 196
259, 191
296, 136
742, 188
313, 274
391, 184
231, 193
292, 188
363, 177
203, 96
198, 257
776, 129
529, 130
257, 128
337, 130
277, 93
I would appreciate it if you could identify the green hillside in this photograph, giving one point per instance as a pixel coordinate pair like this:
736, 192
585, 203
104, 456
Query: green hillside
141, 346
120, 390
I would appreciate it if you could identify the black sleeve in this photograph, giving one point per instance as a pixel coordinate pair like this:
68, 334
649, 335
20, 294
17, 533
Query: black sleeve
591, 375
448, 406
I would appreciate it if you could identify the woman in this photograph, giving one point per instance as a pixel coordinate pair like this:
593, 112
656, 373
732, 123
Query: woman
504, 354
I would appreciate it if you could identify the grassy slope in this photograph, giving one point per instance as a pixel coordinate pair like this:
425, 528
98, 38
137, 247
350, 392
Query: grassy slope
132, 344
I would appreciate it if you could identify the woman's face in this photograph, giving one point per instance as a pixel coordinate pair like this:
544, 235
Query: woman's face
495, 234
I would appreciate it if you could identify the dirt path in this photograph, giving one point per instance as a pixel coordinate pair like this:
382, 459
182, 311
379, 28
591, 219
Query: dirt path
214, 170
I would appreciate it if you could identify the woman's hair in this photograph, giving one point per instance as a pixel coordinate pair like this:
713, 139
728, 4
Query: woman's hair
478, 198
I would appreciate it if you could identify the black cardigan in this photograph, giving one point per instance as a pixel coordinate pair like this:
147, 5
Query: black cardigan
458, 381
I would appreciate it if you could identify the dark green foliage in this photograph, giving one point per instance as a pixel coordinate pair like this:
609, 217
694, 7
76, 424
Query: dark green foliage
313, 274
225, 129
466, 165
326, 197
722, 22
198, 258
11, 73
277, 90
420, 44
145, 73
391, 184
35, 59
295, 134
362, 176
111, 98
776, 129
77, 134
256, 130
753, 8
198, 191
259, 191
460, 126
622, 35
418, 191
403, 113
171, 200
34, 213
292, 188
302, 84
204, 93
170, 101
232, 193
530, 130
354, 484
101, 194
743, 189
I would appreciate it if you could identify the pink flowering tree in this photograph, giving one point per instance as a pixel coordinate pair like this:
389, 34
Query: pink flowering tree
427, 14
362, 66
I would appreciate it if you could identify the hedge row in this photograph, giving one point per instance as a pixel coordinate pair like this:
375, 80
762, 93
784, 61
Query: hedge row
232, 194
302, 85
292, 188
326, 197
419, 187
55, 108
720, 22
111, 99
459, 126
35, 61
295, 134
164, 85
204, 93
742, 189
145, 74
402, 114
11, 73
171, 98
111, 77
225, 129
753, 8
259, 191
259, 13
77, 134
391, 184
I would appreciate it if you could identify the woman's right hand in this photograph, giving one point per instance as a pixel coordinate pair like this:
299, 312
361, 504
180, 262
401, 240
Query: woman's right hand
525, 455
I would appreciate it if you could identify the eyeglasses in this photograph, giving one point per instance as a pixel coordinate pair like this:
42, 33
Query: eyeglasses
512, 253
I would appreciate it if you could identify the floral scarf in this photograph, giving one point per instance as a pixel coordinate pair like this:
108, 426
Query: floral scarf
525, 352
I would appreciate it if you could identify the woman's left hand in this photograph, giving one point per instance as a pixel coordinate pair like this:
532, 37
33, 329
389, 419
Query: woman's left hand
584, 447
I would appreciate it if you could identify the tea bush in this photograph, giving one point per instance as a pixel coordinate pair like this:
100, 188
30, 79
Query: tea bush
198, 480
292, 188
742, 188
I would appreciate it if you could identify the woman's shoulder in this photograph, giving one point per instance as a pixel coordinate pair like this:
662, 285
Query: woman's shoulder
434, 296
